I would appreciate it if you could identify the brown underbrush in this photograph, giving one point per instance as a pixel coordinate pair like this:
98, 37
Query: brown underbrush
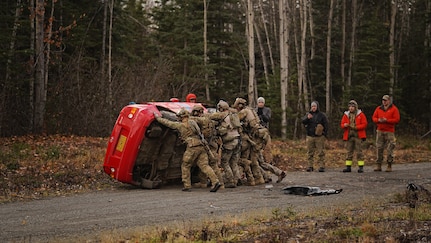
34, 167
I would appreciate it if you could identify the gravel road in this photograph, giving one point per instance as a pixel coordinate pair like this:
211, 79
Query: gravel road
128, 207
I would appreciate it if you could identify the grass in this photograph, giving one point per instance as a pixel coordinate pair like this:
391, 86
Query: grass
383, 222
35, 167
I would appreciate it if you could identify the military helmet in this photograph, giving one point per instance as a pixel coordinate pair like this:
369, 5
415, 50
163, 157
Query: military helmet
222, 105
183, 113
239, 101
197, 108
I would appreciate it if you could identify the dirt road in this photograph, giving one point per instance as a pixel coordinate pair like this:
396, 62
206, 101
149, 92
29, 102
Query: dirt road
127, 207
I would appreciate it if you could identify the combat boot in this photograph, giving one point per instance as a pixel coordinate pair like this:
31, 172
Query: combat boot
361, 169
378, 168
348, 169
389, 168
250, 182
260, 181
281, 176
216, 187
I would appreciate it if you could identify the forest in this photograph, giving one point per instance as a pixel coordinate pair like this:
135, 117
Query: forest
70, 66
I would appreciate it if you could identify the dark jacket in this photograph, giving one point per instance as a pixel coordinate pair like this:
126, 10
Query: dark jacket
318, 118
264, 114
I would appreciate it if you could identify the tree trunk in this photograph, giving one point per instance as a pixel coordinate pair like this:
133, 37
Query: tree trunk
394, 8
352, 43
302, 79
263, 56
110, 84
427, 65
39, 86
268, 41
343, 46
48, 46
11, 52
103, 51
312, 36
328, 60
251, 67
284, 61
32, 61
207, 88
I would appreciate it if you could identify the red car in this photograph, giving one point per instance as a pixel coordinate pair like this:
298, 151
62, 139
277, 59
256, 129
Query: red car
143, 152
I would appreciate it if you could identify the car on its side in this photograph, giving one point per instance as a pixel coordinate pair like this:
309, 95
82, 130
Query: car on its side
143, 152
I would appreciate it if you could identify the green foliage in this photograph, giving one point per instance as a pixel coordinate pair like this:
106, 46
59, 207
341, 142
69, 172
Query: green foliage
17, 152
158, 53
348, 233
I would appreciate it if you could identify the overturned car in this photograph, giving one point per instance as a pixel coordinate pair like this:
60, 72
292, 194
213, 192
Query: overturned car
143, 152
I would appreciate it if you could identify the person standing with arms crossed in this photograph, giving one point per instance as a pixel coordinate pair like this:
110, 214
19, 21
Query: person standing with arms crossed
354, 123
386, 116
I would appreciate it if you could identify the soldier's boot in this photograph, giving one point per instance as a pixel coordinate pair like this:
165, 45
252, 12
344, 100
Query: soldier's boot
348, 168
378, 168
260, 181
251, 182
389, 168
215, 187
281, 176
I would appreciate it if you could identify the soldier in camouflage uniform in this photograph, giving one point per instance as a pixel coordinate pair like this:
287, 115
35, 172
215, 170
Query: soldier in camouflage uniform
228, 130
254, 138
209, 132
195, 152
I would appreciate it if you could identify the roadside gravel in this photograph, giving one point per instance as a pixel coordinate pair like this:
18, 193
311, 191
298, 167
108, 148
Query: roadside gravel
124, 206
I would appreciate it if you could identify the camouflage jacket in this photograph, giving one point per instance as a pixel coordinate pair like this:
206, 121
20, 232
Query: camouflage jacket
187, 134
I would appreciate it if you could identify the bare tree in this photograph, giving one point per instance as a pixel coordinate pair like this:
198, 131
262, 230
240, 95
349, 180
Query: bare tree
9, 61
207, 89
427, 45
328, 59
251, 65
103, 51
284, 62
302, 78
268, 40
111, 17
343, 44
263, 55
48, 45
39, 85
392, 47
352, 42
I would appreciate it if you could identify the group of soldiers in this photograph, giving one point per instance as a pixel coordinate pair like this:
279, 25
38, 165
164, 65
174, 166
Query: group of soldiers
226, 145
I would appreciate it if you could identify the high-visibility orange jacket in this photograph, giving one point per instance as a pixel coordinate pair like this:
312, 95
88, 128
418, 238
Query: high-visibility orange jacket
360, 124
392, 116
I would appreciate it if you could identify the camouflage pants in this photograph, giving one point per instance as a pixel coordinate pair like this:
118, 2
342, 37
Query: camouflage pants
214, 164
267, 166
316, 145
252, 154
229, 163
196, 155
267, 153
385, 140
355, 145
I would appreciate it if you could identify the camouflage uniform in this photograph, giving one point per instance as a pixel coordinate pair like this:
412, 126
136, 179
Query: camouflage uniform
254, 138
209, 132
195, 152
228, 131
